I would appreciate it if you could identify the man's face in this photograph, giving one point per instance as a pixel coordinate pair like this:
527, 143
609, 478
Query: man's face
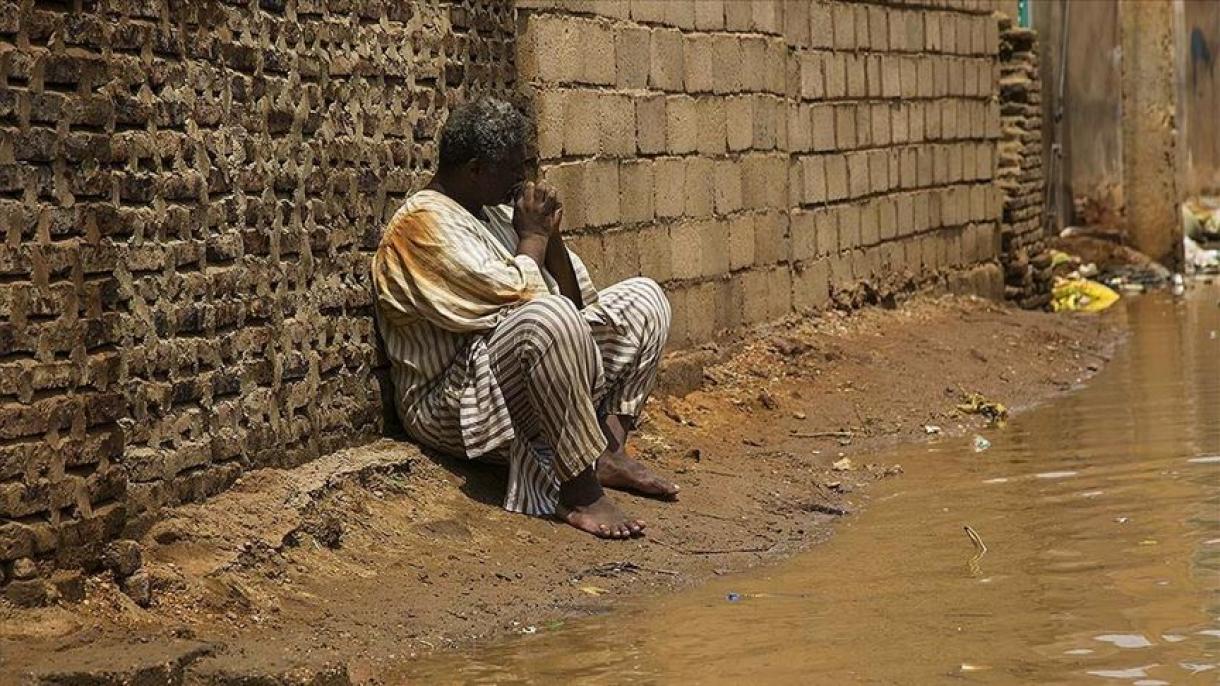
501, 180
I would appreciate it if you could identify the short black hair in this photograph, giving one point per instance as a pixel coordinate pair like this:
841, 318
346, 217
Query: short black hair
484, 128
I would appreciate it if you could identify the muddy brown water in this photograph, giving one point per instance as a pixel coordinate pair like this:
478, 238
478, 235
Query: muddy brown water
1101, 517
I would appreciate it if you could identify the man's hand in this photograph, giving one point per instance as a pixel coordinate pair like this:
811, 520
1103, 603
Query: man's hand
537, 212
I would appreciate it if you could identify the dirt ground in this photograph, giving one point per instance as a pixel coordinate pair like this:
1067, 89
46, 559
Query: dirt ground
347, 567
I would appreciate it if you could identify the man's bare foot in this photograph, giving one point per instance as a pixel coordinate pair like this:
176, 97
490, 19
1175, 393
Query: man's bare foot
584, 505
617, 470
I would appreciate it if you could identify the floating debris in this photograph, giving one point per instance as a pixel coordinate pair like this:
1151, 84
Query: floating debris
931, 429
843, 465
981, 444
992, 411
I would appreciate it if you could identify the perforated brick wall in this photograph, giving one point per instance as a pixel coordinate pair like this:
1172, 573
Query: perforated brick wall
189, 196
762, 157
1022, 232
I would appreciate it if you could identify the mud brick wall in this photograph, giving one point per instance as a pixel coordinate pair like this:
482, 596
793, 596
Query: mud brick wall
189, 196
764, 157
1022, 232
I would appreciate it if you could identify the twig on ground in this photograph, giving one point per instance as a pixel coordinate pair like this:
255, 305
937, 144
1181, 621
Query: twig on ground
822, 434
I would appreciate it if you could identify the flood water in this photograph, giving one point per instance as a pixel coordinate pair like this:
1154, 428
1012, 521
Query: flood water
1101, 517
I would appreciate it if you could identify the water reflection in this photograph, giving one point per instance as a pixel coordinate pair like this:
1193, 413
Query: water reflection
1100, 512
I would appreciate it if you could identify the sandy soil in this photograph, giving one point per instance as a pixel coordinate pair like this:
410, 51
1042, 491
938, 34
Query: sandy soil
351, 565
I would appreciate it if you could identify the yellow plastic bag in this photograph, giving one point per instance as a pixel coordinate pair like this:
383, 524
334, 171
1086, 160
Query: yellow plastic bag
1081, 295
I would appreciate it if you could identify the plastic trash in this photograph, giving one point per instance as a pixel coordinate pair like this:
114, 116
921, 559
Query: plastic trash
1081, 295
981, 444
733, 597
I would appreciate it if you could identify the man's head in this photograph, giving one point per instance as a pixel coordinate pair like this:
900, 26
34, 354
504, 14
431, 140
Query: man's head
483, 148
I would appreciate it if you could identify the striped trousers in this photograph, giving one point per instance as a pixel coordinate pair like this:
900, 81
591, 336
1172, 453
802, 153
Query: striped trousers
560, 371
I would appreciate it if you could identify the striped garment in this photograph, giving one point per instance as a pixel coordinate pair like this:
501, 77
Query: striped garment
489, 361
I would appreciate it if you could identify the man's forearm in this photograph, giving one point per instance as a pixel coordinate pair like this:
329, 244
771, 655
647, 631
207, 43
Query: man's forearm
559, 264
534, 246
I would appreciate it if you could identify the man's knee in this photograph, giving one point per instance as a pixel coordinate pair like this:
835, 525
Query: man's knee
652, 304
552, 320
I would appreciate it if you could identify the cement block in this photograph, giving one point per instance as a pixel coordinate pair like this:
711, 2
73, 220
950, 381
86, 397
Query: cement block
845, 126
909, 75
686, 247
727, 186
836, 177
711, 138
669, 177
741, 241
550, 115
800, 135
777, 73
879, 120
822, 126
849, 227
727, 62
796, 23
680, 13
857, 174
915, 115
652, 11
667, 65
864, 125
821, 25
631, 52
897, 35
597, 56
551, 48
697, 59
878, 29
878, 171
709, 15
813, 85
835, 68
656, 253
905, 204
844, 17
700, 182
714, 239
681, 127
568, 181
857, 76
802, 235
891, 76
872, 64
826, 225
616, 124
916, 32
870, 230
932, 39
738, 16
766, 118
600, 194
813, 175
767, 16
650, 124
811, 286
637, 190
889, 219
739, 122
899, 123
753, 61
862, 34
907, 173
779, 284
622, 255
581, 131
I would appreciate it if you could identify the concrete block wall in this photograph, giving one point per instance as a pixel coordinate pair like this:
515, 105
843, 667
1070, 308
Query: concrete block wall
189, 197
759, 158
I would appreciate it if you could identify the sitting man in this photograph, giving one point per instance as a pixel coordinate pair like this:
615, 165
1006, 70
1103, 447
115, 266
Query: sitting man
501, 347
